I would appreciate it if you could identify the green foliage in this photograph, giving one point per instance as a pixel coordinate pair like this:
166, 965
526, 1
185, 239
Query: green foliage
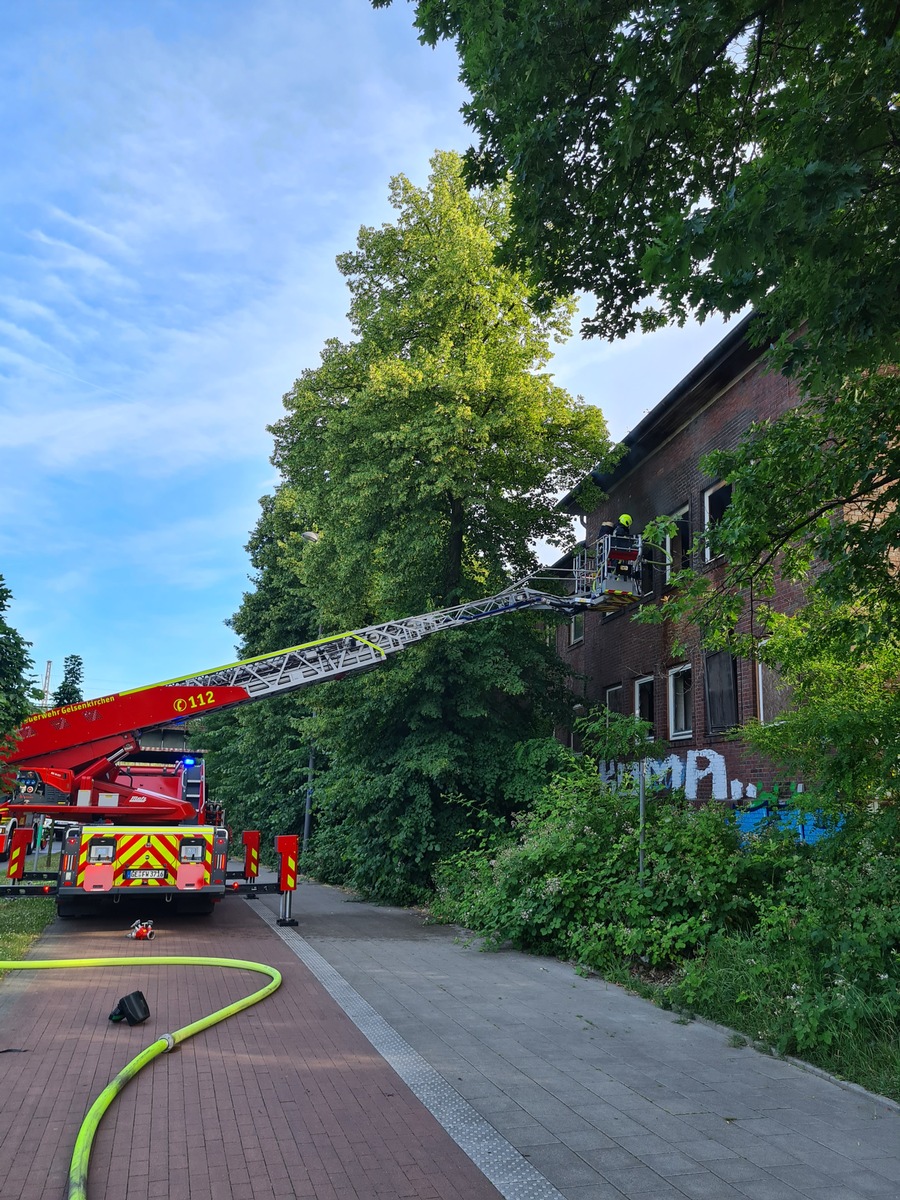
566, 882
21, 921
841, 731
17, 686
447, 735
695, 157
69, 690
819, 972
779, 998
796, 946
619, 737
426, 455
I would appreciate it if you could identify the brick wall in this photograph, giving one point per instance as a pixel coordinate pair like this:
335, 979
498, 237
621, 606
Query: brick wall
660, 475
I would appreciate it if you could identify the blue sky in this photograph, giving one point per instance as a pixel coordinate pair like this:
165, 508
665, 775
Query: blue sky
176, 178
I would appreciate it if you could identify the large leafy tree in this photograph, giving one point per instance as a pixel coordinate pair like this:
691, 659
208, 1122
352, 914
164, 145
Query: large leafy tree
257, 765
432, 448
427, 454
686, 156
692, 156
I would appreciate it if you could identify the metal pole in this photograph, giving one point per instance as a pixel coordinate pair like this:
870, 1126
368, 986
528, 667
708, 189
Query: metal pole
641, 813
307, 809
307, 812
38, 836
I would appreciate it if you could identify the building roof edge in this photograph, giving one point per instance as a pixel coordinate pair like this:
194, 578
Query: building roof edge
639, 440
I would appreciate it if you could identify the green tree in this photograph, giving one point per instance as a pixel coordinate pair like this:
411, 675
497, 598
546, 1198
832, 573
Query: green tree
258, 753
428, 453
688, 157
17, 694
69, 690
841, 732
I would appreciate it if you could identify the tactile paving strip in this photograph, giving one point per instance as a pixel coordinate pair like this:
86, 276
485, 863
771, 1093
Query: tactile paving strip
495, 1157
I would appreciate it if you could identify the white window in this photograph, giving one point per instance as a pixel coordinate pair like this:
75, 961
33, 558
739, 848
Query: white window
576, 628
715, 500
643, 700
681, 709
678, 547
612, 698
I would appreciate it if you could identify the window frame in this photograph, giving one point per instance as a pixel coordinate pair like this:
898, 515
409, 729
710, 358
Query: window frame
682, 513
644, 679
708, 556
761, 691
682, 734
735, 693
613, 687
576, 620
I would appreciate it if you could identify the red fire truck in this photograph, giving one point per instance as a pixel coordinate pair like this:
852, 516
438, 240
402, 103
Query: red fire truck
135, 826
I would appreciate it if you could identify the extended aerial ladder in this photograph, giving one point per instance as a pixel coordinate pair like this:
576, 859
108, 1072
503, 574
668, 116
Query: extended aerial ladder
73, 761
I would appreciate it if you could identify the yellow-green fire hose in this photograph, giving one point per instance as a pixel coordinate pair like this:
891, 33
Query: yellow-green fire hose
81, 1155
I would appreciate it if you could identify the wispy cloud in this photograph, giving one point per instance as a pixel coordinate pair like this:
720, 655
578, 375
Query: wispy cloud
175, 182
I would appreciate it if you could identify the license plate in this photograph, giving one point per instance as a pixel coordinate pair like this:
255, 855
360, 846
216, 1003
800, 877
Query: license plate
156, 873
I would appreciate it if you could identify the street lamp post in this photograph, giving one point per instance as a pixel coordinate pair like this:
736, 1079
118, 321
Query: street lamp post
309, 535
307, 811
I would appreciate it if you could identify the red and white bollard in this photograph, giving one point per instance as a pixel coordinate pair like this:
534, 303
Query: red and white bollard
286, 845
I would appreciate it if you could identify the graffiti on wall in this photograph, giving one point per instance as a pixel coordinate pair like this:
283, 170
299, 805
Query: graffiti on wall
689, 773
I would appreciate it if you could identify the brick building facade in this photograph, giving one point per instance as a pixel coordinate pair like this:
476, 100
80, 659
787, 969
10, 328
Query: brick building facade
692, 698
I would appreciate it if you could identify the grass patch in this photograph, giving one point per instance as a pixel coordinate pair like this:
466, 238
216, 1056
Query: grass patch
784, 1000
21, 921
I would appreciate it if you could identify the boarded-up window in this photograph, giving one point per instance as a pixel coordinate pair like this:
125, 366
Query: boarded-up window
720, 680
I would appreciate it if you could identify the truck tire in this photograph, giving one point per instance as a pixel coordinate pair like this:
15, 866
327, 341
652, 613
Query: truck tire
67, 910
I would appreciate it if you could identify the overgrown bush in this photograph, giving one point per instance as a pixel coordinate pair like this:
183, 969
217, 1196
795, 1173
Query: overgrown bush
567, 880
819, 973
797, 946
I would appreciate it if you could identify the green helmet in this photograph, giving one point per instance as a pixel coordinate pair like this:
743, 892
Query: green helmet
625, 520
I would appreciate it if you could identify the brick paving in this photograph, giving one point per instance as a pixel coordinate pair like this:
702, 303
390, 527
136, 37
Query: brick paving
287, 1099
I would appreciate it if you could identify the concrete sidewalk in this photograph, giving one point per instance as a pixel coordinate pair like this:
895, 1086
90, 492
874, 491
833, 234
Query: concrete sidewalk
603, 1093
